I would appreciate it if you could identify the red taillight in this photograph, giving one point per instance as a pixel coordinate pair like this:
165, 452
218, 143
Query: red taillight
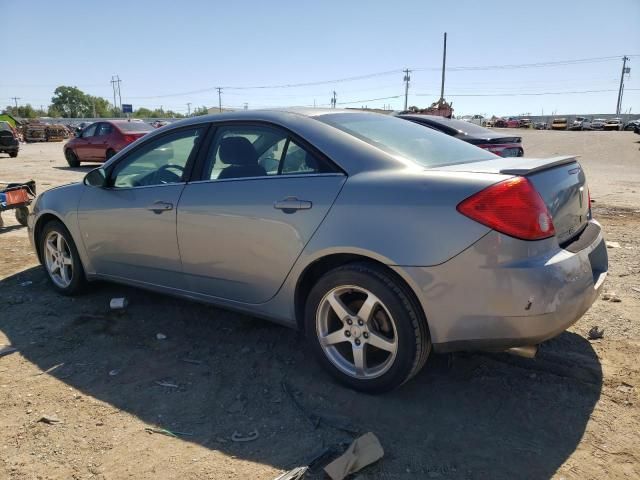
512, 207
130, 138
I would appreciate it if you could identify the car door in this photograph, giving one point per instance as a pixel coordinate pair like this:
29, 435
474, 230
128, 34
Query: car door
99, 143
84, 143
129, 227
261, 196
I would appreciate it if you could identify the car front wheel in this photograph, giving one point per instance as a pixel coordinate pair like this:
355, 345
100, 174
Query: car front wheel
366, 328
72, 158
60, 259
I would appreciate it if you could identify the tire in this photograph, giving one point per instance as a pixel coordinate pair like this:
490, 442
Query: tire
110, 153
13, 154
73, 280
22, 215
72, 158
396, 322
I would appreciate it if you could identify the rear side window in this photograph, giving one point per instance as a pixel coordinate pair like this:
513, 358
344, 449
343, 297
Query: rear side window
245, 151
424, 146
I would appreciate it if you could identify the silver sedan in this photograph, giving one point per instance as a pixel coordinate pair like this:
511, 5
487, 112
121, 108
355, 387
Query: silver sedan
377, 237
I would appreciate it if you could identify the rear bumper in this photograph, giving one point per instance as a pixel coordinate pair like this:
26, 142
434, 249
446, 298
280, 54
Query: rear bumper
503, 292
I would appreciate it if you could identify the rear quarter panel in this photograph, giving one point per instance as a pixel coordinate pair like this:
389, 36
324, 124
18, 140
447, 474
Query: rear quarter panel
402, 217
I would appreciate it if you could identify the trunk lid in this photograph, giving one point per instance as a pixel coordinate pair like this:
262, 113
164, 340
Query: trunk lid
560, 181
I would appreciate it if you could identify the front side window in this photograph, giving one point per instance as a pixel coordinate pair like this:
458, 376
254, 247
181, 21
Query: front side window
104, 129
90, 131
259, 151
158, 162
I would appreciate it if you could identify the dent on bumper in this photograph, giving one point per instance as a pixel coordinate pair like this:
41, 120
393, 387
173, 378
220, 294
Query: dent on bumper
503, 292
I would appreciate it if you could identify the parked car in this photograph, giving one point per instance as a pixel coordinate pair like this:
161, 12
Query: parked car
477, 120
102, 140
581, 123
479, 136
513, 122
525, 123
598, 124
613, 124
541, 126
379, 238
559, 124
9, 142
631, 125
500, 123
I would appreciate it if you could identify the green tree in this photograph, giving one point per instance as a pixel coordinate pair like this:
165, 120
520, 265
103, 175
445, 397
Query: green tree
24, 111
53, 112
200, 111
72, 102
103, 108
142, 113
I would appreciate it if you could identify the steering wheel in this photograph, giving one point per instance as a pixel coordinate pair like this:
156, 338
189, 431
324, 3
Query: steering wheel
165, 175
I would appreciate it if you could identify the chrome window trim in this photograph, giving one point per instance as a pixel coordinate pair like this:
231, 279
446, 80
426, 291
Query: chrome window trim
268, 177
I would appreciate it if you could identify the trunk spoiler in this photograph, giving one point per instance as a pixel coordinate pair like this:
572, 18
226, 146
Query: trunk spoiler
538, 165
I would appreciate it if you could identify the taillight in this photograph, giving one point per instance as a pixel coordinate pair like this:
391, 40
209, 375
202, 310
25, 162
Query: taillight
130, 138
512, 207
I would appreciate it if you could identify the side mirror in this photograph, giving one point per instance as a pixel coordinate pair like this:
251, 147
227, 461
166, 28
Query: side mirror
96, 178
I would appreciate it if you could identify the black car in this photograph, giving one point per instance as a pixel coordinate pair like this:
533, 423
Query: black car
8, 141
470, 132
632, 126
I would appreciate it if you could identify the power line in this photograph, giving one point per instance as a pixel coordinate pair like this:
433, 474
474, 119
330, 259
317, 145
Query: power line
522, 93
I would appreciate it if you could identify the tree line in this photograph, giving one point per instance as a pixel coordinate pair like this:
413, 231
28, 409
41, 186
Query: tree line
71, 102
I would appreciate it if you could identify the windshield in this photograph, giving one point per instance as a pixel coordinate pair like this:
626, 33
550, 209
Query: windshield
134, 127
424, 146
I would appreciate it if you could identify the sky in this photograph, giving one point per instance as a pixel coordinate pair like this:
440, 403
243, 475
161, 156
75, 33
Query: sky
169, 53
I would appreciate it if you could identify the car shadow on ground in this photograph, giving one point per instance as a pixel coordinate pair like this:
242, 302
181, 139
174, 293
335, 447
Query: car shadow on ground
10, 228
465, 415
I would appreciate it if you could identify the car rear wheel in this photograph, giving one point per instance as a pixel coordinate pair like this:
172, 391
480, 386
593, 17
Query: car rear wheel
365, 328
60, 259
72, 158
13, 154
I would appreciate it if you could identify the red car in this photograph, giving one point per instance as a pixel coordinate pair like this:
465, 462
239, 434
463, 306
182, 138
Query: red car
102, 140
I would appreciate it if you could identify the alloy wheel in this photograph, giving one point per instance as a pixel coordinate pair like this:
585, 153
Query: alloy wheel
356, 332
58, 259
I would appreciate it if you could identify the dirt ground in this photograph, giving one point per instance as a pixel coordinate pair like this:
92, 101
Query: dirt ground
571, 413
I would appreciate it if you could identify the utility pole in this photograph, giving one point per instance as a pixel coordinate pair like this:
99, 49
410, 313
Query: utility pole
115, 83
444, 63
15, 99
94, 109
246, 106
625, 69
219, 98
188, 109
406, 79
334, 100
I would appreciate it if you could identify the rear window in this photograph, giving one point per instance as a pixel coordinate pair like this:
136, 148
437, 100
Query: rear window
134, 127
395, 136
460, 126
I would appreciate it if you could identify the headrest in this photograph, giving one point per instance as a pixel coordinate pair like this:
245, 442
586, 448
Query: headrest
237, 151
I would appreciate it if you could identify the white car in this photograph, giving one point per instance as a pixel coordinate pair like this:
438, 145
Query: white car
581, 123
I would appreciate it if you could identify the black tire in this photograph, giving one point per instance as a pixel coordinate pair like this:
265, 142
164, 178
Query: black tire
110, 153
78, 278
72, 158
413, 340
22, 215
13, 154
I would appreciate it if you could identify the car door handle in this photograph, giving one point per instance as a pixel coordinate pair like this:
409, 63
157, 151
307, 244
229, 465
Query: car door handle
291, 204
160, 207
